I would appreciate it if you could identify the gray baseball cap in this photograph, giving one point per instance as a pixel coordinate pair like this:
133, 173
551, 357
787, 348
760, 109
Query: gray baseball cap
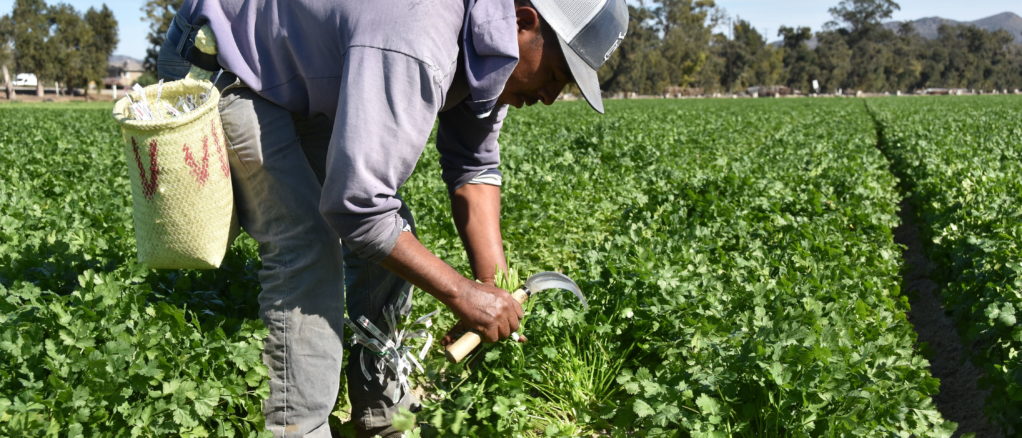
589, 31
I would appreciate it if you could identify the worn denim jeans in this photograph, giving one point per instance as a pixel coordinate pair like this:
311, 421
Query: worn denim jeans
308, 278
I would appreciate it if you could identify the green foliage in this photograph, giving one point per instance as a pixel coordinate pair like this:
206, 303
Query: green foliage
59, 44
30, 29
673, 44
104, 30
68, 49
747, 59
962, 161
668, 45
6, 42
91, 343
738, 259
798, 59
146, 79
159, 14
862, 16
740, 267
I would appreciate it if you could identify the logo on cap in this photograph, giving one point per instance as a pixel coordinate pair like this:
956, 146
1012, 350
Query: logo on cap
613, 47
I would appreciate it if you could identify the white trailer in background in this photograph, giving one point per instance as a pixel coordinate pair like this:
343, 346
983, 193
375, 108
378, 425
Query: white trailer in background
25, 80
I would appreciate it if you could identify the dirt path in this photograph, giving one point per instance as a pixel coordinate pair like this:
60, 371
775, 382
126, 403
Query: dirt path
960, 399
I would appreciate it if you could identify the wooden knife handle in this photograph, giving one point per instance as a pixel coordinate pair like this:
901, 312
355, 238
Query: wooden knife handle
457, 350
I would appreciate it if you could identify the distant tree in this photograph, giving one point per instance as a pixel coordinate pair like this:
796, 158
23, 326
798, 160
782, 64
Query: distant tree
756, 63
833, 60
81, 45
976, 58
798, 59
934, 60
710, 77
31, 30
6, 41
686, 29
146, 79
874, 59
104, 30
159, 14
996, 47
69, 45
862, 16
860, 23
747, 59
625, 70
1007, 72
905, 73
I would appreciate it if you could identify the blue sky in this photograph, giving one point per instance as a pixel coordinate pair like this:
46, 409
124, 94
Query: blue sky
765, 15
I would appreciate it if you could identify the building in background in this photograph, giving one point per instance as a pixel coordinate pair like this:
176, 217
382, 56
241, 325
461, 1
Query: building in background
123, 72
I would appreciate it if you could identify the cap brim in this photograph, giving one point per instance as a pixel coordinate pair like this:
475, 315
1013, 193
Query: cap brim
585, 76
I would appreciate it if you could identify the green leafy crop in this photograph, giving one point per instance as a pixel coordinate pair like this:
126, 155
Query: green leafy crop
740, 267
91, 343
738, 258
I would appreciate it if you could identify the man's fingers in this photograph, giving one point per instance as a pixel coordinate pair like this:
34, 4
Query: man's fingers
493, 335
454, 334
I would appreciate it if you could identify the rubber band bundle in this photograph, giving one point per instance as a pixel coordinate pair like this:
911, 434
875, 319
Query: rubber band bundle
394, 350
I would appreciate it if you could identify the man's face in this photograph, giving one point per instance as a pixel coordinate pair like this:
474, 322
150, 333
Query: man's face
541, 72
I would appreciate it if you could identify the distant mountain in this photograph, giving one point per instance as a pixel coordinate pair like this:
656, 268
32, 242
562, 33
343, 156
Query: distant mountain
1008, 21
927, 27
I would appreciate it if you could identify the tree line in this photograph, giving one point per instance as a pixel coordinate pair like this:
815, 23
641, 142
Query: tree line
689, 45
57, 43
675, 44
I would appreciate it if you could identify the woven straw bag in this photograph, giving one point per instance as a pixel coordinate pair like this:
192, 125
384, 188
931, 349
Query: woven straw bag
180, 179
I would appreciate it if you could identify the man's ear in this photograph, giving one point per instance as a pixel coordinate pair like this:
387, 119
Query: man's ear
528, 19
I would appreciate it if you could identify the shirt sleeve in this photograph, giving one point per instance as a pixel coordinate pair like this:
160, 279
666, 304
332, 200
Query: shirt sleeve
387, 105
469, 151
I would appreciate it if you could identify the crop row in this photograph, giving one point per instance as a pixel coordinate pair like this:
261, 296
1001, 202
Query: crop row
962, 159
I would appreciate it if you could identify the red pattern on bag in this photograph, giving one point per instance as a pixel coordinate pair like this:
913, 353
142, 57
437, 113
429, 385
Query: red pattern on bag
201, 172
225, 167
148, 184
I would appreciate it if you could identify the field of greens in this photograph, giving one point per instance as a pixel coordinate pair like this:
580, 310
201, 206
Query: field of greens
738, 258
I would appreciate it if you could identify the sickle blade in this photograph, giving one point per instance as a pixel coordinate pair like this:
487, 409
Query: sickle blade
554, 280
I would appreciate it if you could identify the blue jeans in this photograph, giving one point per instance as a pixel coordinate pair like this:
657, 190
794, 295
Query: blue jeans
308, 278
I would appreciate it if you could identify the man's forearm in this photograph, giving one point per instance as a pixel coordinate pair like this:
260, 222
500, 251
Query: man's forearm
415, 263
476, 211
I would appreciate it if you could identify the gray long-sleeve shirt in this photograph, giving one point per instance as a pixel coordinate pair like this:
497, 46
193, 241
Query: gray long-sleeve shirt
383, 70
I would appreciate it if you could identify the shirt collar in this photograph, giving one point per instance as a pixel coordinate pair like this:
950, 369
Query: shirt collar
490, 50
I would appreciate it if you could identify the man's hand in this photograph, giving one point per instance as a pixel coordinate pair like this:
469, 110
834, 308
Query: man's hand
484, 308
487, 310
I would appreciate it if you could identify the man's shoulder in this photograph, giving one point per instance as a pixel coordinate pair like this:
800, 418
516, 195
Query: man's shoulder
426, 30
